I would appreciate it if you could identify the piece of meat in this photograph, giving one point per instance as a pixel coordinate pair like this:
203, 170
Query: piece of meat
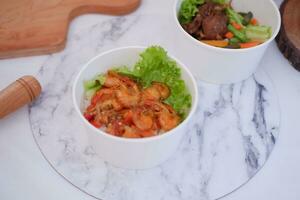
203, 11
209, 23
207, 9
215, 26
194, 26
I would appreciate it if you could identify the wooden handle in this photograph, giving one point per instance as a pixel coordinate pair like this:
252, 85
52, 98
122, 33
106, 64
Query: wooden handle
19, 93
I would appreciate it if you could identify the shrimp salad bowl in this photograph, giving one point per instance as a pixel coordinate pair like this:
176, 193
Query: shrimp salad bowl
135, 103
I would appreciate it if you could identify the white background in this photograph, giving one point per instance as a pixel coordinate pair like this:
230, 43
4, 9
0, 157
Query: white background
25, 174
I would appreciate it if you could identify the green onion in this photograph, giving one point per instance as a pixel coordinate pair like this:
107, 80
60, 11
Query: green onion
234, 16
238, 34
234, 41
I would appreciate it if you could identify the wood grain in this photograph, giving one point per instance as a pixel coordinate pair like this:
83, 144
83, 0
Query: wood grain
32, 27
18, 94
288, 39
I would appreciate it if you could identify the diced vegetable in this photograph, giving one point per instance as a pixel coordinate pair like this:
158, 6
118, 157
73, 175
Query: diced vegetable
216, 43
238, 34
211, 19
254, 22
229, 35
188, 10
234, 16
236, 25
249, 44
234, 41
258, 33
247, 18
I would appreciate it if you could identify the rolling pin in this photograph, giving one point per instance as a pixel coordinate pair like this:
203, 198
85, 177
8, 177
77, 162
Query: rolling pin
21, 92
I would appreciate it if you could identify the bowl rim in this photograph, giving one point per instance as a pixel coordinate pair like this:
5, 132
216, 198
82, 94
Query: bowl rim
135, 140
197, 42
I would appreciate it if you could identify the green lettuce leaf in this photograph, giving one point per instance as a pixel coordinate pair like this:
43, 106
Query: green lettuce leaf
188, 10
93, 85
156, 65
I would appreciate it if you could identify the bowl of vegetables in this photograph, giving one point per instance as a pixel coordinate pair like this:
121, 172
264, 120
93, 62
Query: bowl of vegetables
223, 41
135, 103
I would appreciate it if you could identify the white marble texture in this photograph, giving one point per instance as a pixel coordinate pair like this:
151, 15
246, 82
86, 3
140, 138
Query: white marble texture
228, 141
230, 138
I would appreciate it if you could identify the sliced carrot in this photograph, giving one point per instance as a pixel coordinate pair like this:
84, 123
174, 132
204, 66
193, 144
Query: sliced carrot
236, 25
254, 21
249, 44
229, 35
216, 43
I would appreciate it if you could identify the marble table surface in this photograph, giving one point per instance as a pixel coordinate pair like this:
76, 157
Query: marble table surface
25, 174
228, 140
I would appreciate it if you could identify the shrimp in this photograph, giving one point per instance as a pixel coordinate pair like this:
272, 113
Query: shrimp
127, 92
151, 132
125, 110
168, 120
162, 88
150, 93
156, 91
130, 132
127, 116
109, 104
143, 119
111, 81
101, 94
167, 116
128, 96
115, 80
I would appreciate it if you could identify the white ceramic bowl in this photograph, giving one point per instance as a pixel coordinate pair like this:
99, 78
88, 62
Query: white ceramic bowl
127, 153
223, 66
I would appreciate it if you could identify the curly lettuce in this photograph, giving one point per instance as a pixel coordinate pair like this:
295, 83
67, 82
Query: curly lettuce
188, 10
155, 65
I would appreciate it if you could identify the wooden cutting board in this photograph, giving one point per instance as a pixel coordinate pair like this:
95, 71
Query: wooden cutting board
32, 27
288, 39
